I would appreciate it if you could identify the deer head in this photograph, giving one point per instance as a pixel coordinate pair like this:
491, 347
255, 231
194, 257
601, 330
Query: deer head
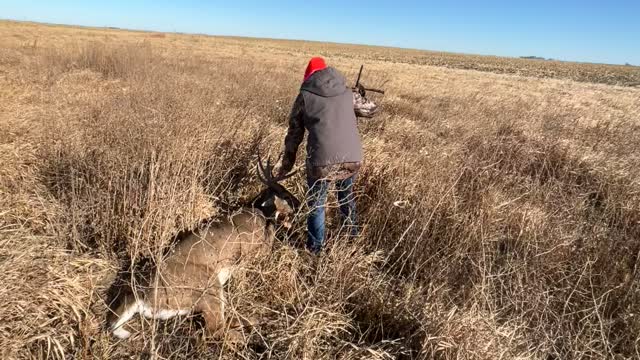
275, 202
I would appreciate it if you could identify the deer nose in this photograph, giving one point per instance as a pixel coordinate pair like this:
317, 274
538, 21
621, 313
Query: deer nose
282, 219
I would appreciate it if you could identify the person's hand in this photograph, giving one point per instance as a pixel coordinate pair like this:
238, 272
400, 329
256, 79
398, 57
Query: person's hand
277, 171
281, 171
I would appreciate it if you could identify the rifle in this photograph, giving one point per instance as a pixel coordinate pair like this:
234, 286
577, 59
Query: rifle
361, 89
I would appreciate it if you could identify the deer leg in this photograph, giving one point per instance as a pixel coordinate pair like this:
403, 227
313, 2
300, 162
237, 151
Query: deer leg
234, 322
212, 308
125, 312
233, 334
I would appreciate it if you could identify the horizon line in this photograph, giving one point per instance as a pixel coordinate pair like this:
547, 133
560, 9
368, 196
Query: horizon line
117, 28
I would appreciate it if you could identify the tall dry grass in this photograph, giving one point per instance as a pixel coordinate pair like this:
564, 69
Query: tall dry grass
495, 225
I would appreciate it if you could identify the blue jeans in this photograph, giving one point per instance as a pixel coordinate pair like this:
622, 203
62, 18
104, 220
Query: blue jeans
317, 199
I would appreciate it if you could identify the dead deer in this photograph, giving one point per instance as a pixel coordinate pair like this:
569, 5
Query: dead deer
193, 273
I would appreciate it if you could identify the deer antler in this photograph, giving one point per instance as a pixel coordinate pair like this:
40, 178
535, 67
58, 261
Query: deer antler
265, 172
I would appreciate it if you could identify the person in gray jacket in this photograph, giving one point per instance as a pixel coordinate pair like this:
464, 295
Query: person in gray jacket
327, 109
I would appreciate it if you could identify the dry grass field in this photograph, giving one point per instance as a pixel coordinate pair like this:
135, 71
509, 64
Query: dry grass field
500, 207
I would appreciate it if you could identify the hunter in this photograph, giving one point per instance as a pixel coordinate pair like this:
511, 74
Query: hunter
327, 108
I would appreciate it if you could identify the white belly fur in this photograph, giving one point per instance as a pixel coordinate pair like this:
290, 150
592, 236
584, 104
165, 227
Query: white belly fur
160, 314
145, 310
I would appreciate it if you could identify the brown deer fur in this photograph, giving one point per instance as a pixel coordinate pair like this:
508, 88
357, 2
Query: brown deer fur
193, 273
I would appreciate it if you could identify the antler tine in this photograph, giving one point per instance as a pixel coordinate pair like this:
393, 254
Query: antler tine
269, 168
260, 169
260, 177
285, 177
261, 165
259, 159
265, 171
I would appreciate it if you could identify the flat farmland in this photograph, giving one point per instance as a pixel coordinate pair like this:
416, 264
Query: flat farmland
499, 199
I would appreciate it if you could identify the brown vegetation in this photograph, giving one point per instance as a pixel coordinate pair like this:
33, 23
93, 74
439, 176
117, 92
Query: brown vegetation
501, 213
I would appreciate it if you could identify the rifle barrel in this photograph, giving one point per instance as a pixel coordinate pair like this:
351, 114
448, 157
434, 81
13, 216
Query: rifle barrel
374, 90
359, 74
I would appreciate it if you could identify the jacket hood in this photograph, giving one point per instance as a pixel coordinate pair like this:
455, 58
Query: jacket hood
326, 83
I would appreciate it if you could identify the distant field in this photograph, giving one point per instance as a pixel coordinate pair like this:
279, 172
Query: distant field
623, 75
500, 207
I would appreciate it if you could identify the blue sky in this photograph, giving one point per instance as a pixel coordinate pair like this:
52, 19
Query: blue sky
593, 31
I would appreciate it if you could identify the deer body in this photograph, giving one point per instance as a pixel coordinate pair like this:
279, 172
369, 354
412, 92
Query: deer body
192, 276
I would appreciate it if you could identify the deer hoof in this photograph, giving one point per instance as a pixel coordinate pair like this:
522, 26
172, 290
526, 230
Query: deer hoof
121, 333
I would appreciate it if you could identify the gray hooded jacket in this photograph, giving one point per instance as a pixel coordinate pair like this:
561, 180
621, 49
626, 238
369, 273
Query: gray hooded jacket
325, 109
